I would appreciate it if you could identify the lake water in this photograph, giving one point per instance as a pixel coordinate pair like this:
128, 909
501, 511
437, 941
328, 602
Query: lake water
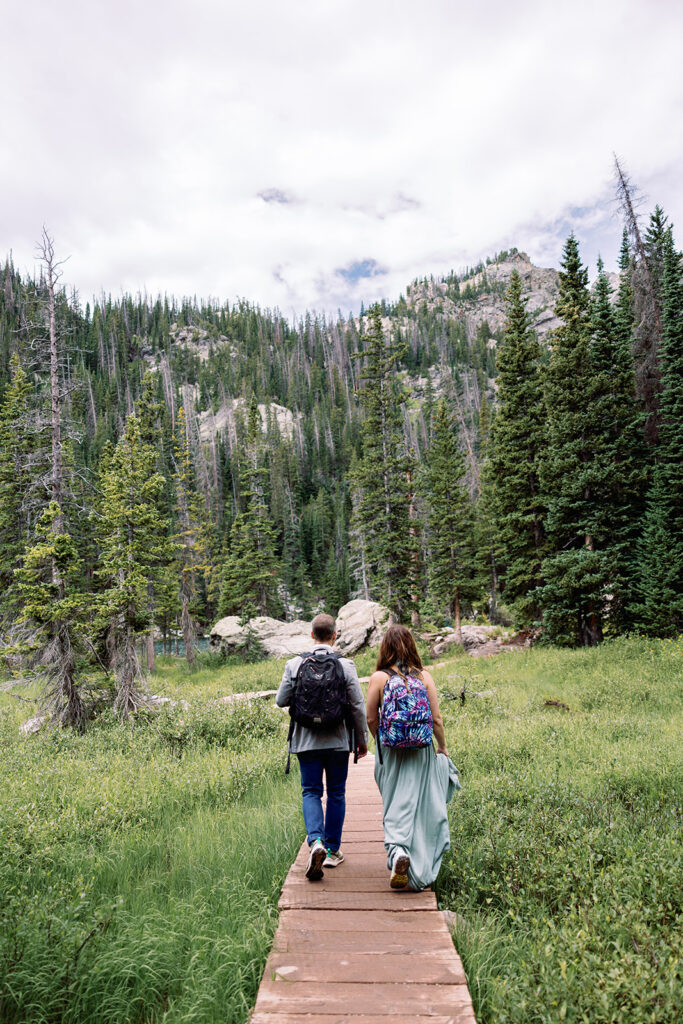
201, 644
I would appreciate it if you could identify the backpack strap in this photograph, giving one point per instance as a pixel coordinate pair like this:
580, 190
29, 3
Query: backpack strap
306, 654
378, 742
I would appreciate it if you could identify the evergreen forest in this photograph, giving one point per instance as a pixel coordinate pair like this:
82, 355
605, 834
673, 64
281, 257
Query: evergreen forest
164, 463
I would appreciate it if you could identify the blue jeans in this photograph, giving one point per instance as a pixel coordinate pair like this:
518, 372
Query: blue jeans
335, 765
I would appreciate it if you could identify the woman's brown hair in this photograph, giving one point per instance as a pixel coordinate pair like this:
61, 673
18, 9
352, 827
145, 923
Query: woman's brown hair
398, 648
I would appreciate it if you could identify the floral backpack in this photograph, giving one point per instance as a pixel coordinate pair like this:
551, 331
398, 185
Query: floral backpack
405, 719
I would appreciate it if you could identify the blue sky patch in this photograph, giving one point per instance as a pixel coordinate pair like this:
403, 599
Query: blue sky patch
274, 195
359, 269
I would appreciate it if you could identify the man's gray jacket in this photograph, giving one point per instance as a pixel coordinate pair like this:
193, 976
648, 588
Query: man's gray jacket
325, 739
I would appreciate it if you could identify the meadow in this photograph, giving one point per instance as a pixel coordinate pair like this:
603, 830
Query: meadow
141, 863
566, 866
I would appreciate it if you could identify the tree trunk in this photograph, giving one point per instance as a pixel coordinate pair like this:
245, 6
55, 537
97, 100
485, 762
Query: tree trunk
188, 630
65, 696
592, 627
458, 626
149, 643
127, 672
493, 603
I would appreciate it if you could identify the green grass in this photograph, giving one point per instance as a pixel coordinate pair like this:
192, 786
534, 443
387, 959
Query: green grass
566, 866
140, 866
213, 678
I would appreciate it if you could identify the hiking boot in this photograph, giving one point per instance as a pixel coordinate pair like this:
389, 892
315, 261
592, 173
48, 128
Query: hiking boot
314, 867
399, 871
333, 858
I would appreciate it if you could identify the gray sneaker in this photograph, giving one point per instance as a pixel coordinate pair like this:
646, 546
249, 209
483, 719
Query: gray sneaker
333, 858
314, 867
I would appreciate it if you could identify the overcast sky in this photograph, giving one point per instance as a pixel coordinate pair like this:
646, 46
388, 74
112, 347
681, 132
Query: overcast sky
313, 153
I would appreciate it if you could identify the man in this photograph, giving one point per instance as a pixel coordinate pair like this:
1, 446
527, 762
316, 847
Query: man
325, 750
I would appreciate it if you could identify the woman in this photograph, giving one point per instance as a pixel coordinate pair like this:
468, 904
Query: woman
415, 782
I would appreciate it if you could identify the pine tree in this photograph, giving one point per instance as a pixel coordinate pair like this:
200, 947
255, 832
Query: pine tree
249, 583
49, 587
150, 414
134, 546
624, 315
648, 283
660, 554
450, 541
645, 278
511, 469
191, 536
49, 582
618, 492
382, 477
576, 572
16, 446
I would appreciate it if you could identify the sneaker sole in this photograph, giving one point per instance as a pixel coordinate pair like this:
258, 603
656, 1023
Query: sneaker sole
399, 874
314, 871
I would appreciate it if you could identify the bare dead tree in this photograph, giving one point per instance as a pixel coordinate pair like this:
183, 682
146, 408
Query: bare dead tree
473, 466
52, 275
54, 639
648, 322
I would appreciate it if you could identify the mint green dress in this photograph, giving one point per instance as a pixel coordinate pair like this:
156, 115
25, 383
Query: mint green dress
416, 784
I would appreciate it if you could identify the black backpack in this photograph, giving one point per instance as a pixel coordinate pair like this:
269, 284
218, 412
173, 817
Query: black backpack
319, 700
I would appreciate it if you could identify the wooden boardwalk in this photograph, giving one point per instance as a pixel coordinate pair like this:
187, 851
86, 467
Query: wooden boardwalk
349, 949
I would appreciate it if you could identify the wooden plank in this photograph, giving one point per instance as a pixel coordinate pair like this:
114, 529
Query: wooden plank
338, 879
464, 1015
368, 943
317, 897
362, 837
352, 856
369, 881
278, 996
324, 967
400, 932
371, 865
366, 813
328, 919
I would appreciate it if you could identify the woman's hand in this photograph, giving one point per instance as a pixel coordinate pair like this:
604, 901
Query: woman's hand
442, 750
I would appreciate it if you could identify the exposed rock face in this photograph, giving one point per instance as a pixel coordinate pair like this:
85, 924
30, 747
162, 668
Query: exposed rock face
197, 340
358, 623
361, 623
213, 423
540, 287
279, 639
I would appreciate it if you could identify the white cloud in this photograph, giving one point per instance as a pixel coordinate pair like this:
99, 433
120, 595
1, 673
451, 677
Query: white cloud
418, 137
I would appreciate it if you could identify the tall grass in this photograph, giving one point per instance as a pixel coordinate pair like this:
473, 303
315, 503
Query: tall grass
140, 865
213, 677
566, 867
139, 876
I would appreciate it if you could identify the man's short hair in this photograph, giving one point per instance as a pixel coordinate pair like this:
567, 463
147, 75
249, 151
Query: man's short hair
323, 627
